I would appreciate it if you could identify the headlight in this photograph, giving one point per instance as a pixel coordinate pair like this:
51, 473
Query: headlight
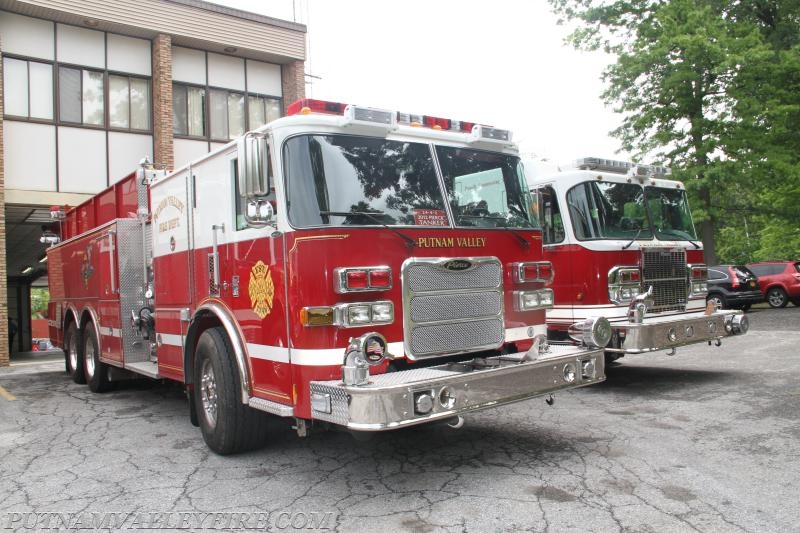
588, 369
532, 300
569, 372
358, 314
595, 332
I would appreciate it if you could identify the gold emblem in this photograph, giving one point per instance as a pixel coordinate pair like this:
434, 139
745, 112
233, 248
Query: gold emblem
261, 289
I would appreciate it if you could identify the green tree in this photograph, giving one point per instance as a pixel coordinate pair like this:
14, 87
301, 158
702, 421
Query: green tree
710, 88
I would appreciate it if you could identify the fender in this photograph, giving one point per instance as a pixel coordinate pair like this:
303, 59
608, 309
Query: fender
95, 324
221, 312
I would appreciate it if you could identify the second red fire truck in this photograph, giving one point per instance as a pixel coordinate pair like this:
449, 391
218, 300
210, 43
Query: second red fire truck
621, 240
342, 266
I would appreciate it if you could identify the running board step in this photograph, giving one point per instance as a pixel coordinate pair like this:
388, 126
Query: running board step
146, 368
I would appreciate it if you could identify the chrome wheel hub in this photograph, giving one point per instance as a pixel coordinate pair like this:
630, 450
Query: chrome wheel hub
89, 358
208, 392
72, 351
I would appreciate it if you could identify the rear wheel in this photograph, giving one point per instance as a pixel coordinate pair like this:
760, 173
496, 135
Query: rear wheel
96, 371
228, 426
717, 299
73, 344
776, 297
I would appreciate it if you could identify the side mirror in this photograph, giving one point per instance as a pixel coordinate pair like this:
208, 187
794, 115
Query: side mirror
254, 178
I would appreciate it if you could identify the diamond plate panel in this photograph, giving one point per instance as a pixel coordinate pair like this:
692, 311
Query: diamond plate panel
339, 413
455, 306
130, 264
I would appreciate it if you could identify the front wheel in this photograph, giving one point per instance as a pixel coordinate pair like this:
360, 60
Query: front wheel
228, 426
73, 344
776, 297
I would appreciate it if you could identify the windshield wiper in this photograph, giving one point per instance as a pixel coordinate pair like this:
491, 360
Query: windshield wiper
696, 246
508, 228
639, 232
372, 216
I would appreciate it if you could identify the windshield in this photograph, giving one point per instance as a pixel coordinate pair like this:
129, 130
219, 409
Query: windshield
669, 211
486, 189
351, 180
603, 210
368, 180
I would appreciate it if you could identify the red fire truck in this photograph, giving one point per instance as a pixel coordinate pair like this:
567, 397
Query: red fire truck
341, 266
621, 239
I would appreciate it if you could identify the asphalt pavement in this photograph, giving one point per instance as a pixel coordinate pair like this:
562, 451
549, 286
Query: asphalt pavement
705, 440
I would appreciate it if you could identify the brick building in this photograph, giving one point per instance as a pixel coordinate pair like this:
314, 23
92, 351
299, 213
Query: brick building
89, 87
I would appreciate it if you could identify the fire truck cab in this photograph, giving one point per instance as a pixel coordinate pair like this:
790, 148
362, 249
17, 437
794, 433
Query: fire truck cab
342, 266
622, 243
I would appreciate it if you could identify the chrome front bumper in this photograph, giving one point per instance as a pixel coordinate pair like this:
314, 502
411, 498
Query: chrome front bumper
388, 400
663, 333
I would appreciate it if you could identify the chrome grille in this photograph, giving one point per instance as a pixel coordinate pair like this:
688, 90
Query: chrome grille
454, 306
452, 311
665, 270
424, 277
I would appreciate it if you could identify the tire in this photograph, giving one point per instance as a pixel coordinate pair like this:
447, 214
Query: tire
718, 299
96, 372
611, 357
776, 297
73, 353
228, 426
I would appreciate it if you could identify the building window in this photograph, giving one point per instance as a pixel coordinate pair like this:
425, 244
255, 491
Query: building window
230, 113
226, 110
28, 89
188, 110
81, 96
261, 109
128, 102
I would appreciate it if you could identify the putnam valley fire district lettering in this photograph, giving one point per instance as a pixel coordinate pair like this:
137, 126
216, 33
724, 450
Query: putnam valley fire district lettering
451, 242
169, 201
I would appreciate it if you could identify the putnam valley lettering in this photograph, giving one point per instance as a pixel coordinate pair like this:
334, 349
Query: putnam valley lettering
451, 242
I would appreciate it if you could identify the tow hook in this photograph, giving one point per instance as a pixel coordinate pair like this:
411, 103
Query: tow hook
550, 400
456, 422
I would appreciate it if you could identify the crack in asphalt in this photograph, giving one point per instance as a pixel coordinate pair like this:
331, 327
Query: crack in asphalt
687, 443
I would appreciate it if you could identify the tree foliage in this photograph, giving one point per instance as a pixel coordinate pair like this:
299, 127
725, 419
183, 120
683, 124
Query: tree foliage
712, 89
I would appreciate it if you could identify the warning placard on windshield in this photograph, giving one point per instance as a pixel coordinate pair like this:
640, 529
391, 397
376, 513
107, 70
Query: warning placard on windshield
430, 217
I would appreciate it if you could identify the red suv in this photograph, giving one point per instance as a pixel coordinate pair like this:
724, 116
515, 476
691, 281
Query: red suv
779, 281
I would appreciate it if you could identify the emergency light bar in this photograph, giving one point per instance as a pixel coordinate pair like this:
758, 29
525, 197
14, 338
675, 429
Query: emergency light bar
621, 167
371, 116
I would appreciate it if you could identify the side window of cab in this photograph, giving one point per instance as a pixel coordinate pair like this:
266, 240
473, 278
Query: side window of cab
550, 214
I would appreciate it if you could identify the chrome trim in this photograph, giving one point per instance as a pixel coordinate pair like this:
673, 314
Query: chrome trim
518, 272
340, 279
239, 351
271, 407
614, 283
408, 295
519, 295
653, 334
387, 401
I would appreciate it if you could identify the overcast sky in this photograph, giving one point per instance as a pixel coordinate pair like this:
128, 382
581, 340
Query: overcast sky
497, 62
